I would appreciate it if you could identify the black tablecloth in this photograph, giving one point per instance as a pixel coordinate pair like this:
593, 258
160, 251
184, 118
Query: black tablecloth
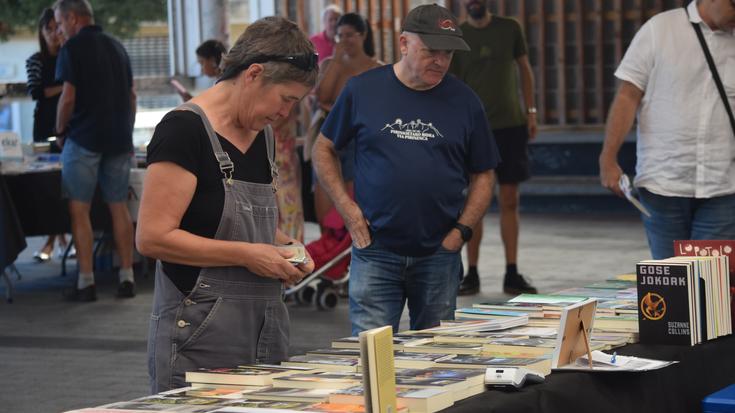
703, 369
42, 211
13, 239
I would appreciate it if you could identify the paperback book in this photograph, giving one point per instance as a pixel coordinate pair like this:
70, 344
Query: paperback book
319, 380
252, 375
668, 298
415, 400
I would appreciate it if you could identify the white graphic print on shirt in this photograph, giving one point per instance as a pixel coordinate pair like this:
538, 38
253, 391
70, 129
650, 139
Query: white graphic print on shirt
414, 130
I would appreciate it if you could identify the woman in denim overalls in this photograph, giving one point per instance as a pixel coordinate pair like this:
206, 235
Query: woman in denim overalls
234, 313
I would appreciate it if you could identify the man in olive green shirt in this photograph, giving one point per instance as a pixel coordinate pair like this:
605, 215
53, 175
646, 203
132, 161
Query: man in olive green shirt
498, 49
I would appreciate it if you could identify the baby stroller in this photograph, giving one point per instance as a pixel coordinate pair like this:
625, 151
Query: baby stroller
331, 255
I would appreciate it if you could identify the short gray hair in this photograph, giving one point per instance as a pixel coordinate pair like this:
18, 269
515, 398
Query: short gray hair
78, 7
271, 36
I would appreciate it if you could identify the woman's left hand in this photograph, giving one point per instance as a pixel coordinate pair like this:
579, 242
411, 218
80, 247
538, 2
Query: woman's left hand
307, 267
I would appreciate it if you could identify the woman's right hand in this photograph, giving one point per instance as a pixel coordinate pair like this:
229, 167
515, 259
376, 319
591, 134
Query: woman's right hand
268, 261
338, 53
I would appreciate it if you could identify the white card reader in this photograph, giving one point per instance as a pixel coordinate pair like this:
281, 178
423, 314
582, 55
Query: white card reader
511, 377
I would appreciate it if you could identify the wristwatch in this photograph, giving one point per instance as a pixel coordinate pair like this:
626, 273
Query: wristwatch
465, 231
531, 110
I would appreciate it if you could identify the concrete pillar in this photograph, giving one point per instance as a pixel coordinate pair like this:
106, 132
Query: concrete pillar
190, 23
214, 20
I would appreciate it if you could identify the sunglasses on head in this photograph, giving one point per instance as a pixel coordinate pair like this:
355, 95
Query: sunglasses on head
306, 62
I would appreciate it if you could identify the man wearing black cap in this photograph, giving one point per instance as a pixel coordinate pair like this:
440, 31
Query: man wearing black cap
423, 171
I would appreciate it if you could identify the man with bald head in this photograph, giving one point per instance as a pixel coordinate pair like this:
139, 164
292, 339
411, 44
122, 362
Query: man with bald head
423, 171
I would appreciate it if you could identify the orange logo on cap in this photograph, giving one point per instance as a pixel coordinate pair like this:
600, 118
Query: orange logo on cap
447, 24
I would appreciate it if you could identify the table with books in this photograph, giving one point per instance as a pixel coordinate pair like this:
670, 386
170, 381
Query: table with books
443, 368
12, 235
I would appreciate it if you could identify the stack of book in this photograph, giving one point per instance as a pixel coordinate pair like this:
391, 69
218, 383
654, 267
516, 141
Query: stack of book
684, 300
705, 248
616, 321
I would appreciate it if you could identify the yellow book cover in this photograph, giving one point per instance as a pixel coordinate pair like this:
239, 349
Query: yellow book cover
379, 378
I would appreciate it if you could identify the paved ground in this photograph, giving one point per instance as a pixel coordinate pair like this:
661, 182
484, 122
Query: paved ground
56, 356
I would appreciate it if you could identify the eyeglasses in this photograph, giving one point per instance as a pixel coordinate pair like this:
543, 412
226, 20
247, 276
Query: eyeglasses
306, 62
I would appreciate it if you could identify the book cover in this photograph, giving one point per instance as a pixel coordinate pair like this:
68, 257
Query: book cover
237, 405
410, 360
539, 364
473, 377
328, 363
416, 400
329, 380
546, 300
342, 408
339, 352
477, 338
337, 408
476, 325
617, 307
712, 248
488, 313
458, 388
664, 291
168, 399
519, 347
378, 380
147, 405
354, 342
241, 375
509, 305
291, 394
207, 391
432, 346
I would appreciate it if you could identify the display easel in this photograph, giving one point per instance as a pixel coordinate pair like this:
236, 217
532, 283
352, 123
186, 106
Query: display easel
575, 328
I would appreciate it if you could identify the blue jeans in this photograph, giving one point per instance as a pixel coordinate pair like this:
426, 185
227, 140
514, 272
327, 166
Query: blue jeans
679, 218
82, 169
381, 282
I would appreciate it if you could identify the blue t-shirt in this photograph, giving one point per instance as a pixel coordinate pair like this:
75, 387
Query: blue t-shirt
99, 68
415, 151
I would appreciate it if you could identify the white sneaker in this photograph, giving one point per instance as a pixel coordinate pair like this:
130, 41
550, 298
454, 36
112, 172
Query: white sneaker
60, 252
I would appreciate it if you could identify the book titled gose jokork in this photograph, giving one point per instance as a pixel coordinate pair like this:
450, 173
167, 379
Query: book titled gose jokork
683, 300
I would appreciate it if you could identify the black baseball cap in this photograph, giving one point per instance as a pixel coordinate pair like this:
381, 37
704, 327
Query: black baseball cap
436, 26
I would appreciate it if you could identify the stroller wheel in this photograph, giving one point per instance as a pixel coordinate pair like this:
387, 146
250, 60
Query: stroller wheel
305, 295
326, 299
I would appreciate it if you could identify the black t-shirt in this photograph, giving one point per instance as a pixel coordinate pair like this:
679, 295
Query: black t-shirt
99, 68
182, 139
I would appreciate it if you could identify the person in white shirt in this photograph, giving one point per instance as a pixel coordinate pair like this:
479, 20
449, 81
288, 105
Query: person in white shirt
686, 145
